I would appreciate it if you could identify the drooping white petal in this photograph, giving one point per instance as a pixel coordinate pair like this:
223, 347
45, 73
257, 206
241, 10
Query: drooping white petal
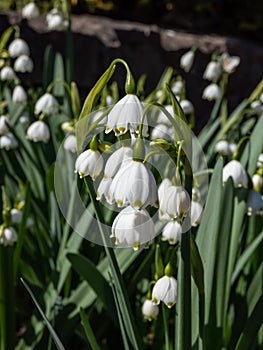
196, 212
116, 160
187, 61
170, 297
47, 104
70, 143
212, 92
38, 131
89, 163
103, 189
160, 289
8, 141
187, 106
19, 94
23, 64
213, 71
235, 170
18, 47
149, 310
4, 120
172, 232
30, 11
254, 202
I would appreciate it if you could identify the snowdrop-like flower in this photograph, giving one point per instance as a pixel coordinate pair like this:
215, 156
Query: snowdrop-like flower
176, 202
98, 117
16, 217
30, 11
109, 100
162, 131
213, 71
172, 232
8, 141
222, 147
229, 63
126, 115
47, 104
4, 124
7, 74
165, 290
187, 106
235, 170
38, 132
23, 64
103, 189
19, 94
89, 163
177, 87
134, 184
165, 184
254, 202
70, 143
187, 61
117, 160
212, 92
67, 127
260, 160
56, 21
18, 47
232, 147
257, 181
149, 310
8, 236
257, 106
132, 228
196, 212
162, 118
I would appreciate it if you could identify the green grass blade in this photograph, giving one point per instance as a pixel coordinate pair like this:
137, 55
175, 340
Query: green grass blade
88, 331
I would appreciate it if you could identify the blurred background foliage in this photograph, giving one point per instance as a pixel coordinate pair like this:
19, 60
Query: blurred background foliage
241, 18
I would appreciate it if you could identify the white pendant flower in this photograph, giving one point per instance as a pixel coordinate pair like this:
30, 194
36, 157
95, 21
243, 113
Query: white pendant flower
4, 124
47, 104
7, 74
56, 20
161, 194
212, 92
19, 94
162, 131
8, 236
23, 64
70, 143
149, 310
196, 212
165, 290
172, 232
162, 118
8, 141
260, 160
16, 217
89, 163
126, 115
103, 189
176, 202
235, 170
222, 147
254, 202
18, 47
177, 87
38, 132
257, 181
133, 228
187, 106
187, 61
229, 63
118, 159
30, 11
134, 184
213, 71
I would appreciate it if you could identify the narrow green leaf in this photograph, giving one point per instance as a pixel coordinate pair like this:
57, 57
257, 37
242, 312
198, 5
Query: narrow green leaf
5, 37
53, 334
88, 330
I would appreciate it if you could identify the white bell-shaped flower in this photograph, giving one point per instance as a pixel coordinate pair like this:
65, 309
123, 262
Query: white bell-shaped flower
213, 71
172, 232
18, 47
177, 87
126, 115
165, 290
222, 147
232, 147
7, 74
260, 160
187, 106
235, 170
70, 143
162, 189
38, 132
196, 212
89, 163
4, 124
47, 104
23, 64
176, 202
16, 217
254, 202
132, 228
103, 189
187, 61
212, 92
162, 118
8, 236
229, 63
257, 181
118, 159
149, 310
8, 141
257, 107
56, 20
30, 11
19, 94
162, 131
134, 184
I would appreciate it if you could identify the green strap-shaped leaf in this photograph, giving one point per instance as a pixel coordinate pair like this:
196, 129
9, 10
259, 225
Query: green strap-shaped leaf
88, 330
